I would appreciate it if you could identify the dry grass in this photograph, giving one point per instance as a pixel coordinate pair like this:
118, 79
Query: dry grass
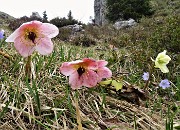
116, 114
100, 108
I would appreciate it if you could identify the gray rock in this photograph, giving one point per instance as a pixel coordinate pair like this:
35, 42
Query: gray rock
124, 24
36, 15
77, 28
74, 28
99, 12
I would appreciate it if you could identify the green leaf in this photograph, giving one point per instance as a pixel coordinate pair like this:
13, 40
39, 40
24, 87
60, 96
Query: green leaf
177, 127
117, 84
106, 82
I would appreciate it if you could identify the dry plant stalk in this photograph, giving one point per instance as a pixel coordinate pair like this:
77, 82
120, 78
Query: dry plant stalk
5, 55
78, 116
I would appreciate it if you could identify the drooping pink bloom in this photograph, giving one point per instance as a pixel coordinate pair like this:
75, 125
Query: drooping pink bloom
33, 36
86, 72
103, 71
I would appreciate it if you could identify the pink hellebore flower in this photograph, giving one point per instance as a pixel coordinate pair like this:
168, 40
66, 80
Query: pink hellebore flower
32, 36
86, 72
102, 71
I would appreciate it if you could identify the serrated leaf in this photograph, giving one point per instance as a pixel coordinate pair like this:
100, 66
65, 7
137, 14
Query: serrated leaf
106, 82
117, 84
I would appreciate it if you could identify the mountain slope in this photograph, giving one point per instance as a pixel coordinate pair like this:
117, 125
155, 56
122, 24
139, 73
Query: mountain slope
4, 17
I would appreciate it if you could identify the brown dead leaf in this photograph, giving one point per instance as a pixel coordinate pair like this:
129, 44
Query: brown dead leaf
132, 93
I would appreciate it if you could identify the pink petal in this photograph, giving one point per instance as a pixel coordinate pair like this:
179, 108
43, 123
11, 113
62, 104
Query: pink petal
76, 62
75, 81
49, 30
20, 31
23, 46
31, 25
92, 64
67, 69
44, 45
13, 36
104, 72
89, 78
102, 63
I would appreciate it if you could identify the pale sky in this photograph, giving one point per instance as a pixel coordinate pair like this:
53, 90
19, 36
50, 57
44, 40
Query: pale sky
81, 9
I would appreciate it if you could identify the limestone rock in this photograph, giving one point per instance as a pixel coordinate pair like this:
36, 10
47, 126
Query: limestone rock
35, 15
99, 12
124, 24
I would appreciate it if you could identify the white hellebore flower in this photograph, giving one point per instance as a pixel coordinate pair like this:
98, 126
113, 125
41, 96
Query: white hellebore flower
161, 61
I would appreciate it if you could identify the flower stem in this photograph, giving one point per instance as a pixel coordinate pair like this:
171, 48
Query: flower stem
150, 67
78, 116
28, 67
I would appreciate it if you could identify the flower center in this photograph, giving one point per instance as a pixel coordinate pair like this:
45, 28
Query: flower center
164, 83
32, 36
80, 70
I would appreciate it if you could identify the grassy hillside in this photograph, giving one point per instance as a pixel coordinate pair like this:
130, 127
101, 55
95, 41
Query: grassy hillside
46, 101
5, 18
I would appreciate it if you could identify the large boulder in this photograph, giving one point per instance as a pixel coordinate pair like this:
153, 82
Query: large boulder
74, 28
125, 24
99, 12
77, 28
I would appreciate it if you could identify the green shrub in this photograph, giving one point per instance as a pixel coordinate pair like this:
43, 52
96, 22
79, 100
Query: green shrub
83, 40
125, 9
167, 36
60, 22
64, 34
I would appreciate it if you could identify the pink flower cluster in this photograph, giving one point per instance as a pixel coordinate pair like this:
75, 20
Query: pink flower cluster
37, 36
86, 72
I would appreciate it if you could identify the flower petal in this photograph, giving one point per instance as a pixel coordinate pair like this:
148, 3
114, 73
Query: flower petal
13, 36
31, 25
67, 69
75, 81
145, 76
89, 78
162, 58
22, 28
103, 72
164, 68
44, 45
91, 63
23, 46
49, 30
164, 83
166, 59
1, 34
102, 63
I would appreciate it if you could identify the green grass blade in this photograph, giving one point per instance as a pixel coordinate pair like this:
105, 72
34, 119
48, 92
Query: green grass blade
36, 94
6, 107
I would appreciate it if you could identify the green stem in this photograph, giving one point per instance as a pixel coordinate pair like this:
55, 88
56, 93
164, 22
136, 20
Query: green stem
28, 67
